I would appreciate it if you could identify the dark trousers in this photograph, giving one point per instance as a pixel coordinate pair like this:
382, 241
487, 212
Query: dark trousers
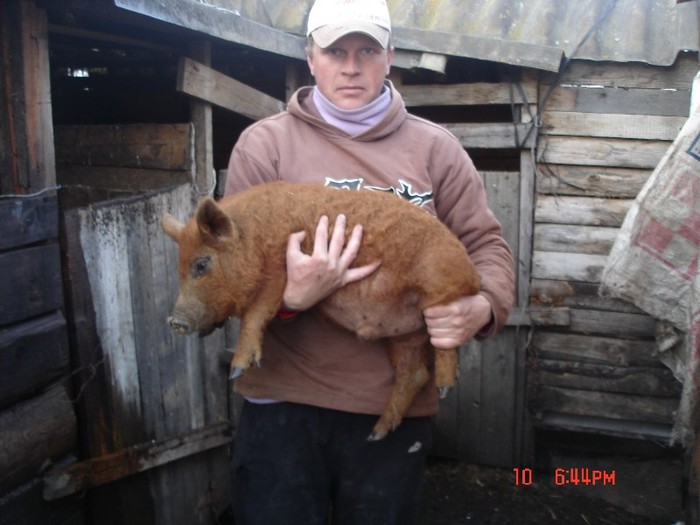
298, 464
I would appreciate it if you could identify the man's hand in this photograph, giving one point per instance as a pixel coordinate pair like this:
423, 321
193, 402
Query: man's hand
456, 323
311, 278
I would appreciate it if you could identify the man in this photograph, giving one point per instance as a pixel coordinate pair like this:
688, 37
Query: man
301, 453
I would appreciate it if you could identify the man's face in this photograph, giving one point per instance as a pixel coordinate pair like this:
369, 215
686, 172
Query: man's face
351, 71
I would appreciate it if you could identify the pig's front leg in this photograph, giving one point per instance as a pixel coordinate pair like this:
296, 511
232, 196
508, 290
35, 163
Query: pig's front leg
253, 323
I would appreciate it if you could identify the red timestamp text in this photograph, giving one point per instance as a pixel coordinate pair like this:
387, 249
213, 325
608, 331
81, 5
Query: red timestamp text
570, 476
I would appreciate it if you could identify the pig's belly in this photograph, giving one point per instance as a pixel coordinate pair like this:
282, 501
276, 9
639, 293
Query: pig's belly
370, 317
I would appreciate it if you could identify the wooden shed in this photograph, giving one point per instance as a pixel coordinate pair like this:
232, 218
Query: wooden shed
114, 111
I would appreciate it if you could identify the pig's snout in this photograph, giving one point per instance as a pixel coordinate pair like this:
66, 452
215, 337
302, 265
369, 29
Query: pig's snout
179, 325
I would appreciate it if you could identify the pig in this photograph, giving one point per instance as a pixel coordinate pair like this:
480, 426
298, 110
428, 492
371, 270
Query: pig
232, 262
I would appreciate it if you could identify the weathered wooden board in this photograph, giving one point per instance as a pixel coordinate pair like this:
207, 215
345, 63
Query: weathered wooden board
574, 238
606, 404
476, 94
503, 196
33, 432
576, 294
592, 211
119, 179
481, 420
32, 355
596, 99
616, 324
620, 183
586, 151
31, 277
209, 85
156, 146
568, 266
642, 381
60, 482
523, 258
632, 75
493, 135
144, 382
548, 316
26, 148
577, 124
28, 220
595, 349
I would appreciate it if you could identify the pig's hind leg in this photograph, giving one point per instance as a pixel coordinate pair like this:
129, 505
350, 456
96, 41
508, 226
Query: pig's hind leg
409, 357
446, 369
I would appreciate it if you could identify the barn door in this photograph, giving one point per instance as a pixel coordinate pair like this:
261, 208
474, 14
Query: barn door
482, 420
152, 405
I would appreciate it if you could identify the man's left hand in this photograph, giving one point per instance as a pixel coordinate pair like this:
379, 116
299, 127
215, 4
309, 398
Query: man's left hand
456, 323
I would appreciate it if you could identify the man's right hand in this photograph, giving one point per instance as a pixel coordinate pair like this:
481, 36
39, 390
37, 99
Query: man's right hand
311, 278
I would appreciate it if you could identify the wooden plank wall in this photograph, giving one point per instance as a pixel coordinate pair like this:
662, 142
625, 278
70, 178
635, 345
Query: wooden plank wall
483, 420
37, 421
99, 162
592, 364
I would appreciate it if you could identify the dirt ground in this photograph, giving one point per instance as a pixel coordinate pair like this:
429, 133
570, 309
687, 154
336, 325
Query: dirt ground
456, 493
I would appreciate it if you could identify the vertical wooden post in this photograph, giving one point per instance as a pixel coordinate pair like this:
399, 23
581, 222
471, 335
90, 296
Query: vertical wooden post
201, 116
26, 139
296, 75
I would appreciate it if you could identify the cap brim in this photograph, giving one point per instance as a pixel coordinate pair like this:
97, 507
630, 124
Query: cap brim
324, 36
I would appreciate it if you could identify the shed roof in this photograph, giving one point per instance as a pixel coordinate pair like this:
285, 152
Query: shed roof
532, 33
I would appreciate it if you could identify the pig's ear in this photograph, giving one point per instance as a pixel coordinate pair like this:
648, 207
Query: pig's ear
214, 224
172, 227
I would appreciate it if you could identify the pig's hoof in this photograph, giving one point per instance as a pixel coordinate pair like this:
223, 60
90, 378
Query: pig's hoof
443, 391
376, 436
236, 373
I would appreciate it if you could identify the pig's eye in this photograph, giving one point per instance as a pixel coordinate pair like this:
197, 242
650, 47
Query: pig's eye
200, 266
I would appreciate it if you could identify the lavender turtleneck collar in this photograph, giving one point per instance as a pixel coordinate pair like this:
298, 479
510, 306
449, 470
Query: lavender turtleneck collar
353, 121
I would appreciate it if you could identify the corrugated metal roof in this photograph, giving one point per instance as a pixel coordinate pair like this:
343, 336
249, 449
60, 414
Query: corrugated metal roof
651, 31
532, 33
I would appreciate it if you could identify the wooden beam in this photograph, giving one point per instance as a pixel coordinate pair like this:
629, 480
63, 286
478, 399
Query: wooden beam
632, 101
568, 266
643, 381
574, 238
593, 211
26, 144
139, 458
29, 277
130, 180
606, 404
201, 117
620, 183
32, 354
156, 146
34, 432
28, 220
590, 151
593, 349
494, 135
651, 127
475, 94
206, 84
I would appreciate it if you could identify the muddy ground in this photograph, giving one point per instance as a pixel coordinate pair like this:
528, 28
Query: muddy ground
456, 493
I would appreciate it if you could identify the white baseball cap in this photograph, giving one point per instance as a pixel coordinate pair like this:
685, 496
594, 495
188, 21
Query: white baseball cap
330, 20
